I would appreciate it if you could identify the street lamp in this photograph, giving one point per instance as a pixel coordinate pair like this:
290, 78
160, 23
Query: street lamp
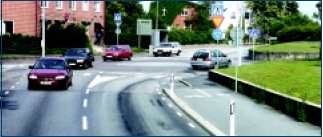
43, 28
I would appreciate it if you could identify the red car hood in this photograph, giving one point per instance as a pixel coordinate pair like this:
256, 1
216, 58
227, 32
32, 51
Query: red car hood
112, 52
48, 72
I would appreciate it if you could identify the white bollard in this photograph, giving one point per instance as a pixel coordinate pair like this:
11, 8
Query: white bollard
172, 82
232, 119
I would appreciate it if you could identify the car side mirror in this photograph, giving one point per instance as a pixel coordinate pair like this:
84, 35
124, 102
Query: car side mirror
31, 67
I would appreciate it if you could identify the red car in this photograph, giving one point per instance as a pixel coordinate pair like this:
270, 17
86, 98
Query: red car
50, 72
118, 52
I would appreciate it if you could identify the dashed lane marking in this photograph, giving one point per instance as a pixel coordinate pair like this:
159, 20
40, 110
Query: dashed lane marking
87, 91
191, 125
203, 93
84, 123
85, 103
179, 114
12, 87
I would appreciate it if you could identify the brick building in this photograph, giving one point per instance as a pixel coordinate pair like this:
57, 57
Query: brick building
187, 14
25, 16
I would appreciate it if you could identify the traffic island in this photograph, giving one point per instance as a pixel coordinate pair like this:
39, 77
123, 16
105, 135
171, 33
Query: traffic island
300, 110
299, 50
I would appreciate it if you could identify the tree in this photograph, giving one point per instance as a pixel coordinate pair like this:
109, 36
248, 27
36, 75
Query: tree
130, 12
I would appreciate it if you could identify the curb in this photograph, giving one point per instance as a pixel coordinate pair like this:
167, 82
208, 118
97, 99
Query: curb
291, 106
204, 124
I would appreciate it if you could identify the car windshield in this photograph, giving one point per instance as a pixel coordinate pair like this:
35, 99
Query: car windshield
50, 64
165, 45
115, 48
76, 52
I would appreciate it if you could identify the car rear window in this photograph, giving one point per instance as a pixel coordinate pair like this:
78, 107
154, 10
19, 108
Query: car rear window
201, 54
165, 45
73, 52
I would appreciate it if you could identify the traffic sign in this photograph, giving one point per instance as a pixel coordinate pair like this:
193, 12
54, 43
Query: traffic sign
217, 8
117, 17
254, 33
217, 21
217, 34
144, 27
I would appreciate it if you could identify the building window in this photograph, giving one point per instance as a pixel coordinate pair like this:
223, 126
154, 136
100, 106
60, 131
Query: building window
59, 4
97, 6
72, 5
85, 5
44, 4
8, 26
184, 12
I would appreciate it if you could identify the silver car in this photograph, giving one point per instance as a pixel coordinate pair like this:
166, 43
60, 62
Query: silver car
204, 58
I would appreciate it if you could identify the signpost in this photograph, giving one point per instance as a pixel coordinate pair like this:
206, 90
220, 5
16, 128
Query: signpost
117, 20
217, 10
254, 34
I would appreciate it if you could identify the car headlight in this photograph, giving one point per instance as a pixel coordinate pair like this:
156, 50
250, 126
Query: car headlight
80, 61
32, 76
60, 77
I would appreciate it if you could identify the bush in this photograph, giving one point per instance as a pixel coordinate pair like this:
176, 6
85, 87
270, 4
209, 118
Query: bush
71, 36
190, 37
20, 44
296, 33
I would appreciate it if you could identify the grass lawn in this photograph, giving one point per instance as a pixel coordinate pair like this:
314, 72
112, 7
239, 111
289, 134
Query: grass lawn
297, 46
300, 79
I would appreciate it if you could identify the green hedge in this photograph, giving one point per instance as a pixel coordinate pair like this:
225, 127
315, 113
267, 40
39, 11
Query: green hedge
190, 37
296, 33
20, 44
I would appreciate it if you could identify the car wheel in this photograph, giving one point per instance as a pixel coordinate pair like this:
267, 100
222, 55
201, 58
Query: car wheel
86, 65
129, 58
30, 87
65, 86
178, 53
194, 68
91, 64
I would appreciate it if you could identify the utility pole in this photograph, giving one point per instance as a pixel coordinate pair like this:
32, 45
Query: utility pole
156, 25
43, 31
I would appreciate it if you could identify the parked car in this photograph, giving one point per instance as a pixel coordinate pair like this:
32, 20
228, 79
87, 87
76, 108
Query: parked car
167, 49
50, 71
204, 58
118, 52
79, 57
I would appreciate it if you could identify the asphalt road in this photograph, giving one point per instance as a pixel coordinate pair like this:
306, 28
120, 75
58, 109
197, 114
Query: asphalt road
123, 98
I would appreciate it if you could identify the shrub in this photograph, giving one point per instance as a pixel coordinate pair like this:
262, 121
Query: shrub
190, 37
20, 44
71, 36
295, 33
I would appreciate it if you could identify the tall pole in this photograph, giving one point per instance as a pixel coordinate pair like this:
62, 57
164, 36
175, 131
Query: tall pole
43, 32
156, 29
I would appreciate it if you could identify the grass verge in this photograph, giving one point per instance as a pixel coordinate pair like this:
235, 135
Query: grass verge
300, 79
297, 46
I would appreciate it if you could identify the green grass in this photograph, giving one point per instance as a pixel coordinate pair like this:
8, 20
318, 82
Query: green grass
297, 46
300, 79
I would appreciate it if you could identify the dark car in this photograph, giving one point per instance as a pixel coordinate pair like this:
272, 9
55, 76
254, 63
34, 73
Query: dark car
204, 58
118, 52
50, 72
79, 57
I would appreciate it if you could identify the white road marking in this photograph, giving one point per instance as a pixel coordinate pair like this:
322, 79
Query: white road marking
87, 91
12, 87
87, 74
179, 114
100, 79
85, 103
163, 98
84, 123
6, 92
194, 96
17, 83
101, 72
203, 93
191, 125
169, 105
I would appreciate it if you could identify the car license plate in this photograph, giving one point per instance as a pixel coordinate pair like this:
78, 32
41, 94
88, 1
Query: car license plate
109, 56
199, 59
71, 64
159, 53
45, 82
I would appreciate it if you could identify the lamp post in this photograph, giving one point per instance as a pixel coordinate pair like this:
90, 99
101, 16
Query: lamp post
43, 29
